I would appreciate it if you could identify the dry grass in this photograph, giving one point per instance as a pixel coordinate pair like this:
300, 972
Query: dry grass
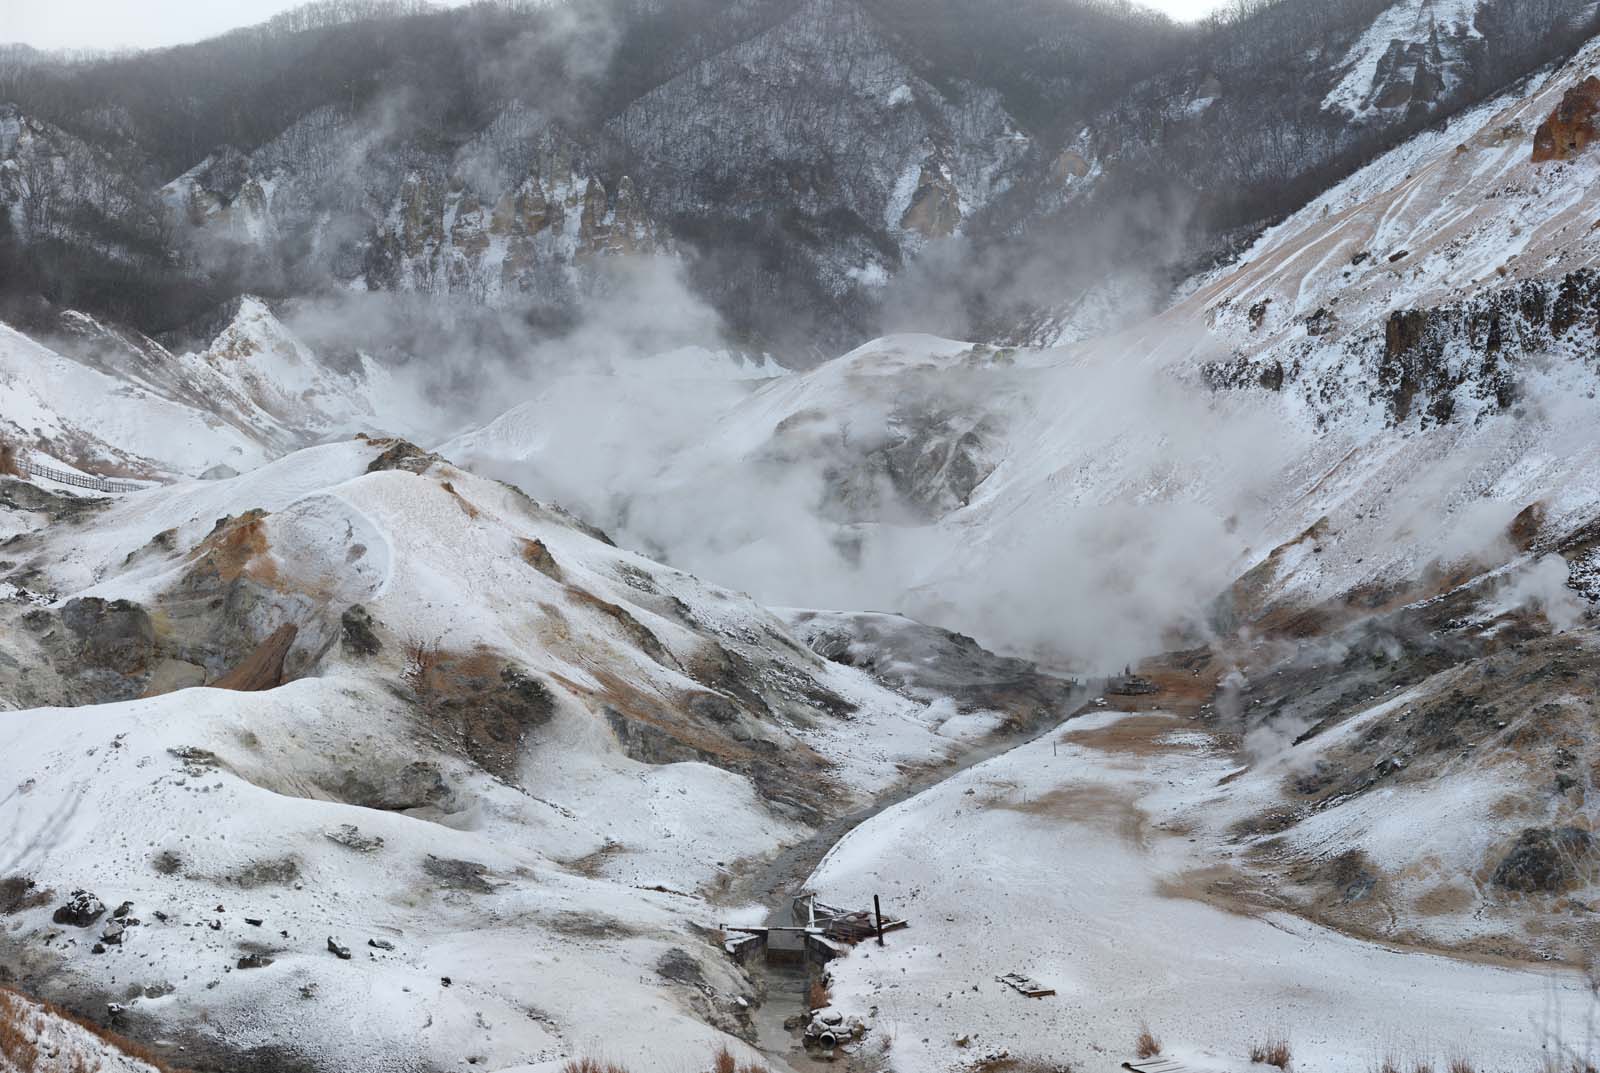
8, 460
422, 659
1390, 1064
17, 1046
818, 996
16, 1042
589, 1065
1460, 1064
1273, 1051
722, 1061
1146, 1045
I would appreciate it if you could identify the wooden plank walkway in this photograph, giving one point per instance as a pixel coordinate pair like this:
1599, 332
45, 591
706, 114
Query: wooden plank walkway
1025, 985
1158, 1064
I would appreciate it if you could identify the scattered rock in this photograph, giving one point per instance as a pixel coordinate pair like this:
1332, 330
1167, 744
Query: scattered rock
350, 836
457, 874
122, 910
81, 910
380, 944
444, 981
340, 952
254, 960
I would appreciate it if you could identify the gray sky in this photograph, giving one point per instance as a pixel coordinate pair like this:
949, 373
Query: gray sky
149, 23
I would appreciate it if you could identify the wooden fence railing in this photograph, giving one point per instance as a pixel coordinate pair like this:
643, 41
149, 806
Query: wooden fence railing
30, 468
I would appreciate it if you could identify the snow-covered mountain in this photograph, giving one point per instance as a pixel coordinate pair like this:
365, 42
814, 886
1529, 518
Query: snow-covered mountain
114, 402
368, 734
508, 760
799, 155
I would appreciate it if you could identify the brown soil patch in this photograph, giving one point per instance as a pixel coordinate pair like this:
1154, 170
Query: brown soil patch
635, 631
1222, 886
1137, 735
1571, 127
1091, 805
591, 864
466, 505
536, 555
17, 1010
479, 703
1446, 900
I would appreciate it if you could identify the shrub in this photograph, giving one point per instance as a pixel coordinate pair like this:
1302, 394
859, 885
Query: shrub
1271, 1052
1146, 1045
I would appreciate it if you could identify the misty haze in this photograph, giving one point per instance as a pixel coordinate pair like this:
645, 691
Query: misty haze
772, 536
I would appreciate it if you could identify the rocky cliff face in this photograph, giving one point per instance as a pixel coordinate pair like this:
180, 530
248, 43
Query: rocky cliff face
799, 154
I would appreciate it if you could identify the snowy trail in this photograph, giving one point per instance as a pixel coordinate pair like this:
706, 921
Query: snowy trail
1069, 859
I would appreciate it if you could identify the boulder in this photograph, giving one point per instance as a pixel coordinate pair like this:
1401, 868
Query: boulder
81, 910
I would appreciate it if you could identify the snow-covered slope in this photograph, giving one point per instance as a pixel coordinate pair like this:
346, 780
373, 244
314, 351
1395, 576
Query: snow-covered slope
1343, 376
511, 761
111, 402
35, 1038
1077, 861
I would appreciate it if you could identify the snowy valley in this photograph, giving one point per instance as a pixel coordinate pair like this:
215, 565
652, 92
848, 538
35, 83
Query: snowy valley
393, 679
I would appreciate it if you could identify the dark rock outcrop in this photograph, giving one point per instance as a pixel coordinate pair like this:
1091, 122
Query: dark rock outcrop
419, 784
356, 636
115, 635
1544, 860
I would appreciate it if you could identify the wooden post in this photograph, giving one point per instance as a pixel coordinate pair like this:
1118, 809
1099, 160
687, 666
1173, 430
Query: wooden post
877, 912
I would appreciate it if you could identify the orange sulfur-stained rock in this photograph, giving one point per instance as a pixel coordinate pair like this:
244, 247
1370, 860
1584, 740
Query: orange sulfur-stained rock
263, 668
1571, 127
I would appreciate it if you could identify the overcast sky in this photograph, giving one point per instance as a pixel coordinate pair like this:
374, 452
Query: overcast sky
149, 23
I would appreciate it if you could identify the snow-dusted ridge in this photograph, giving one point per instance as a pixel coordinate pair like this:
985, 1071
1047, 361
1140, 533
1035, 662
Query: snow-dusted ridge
654, 731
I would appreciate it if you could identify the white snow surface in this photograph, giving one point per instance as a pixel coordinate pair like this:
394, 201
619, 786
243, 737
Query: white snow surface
1050, 861
596, 865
